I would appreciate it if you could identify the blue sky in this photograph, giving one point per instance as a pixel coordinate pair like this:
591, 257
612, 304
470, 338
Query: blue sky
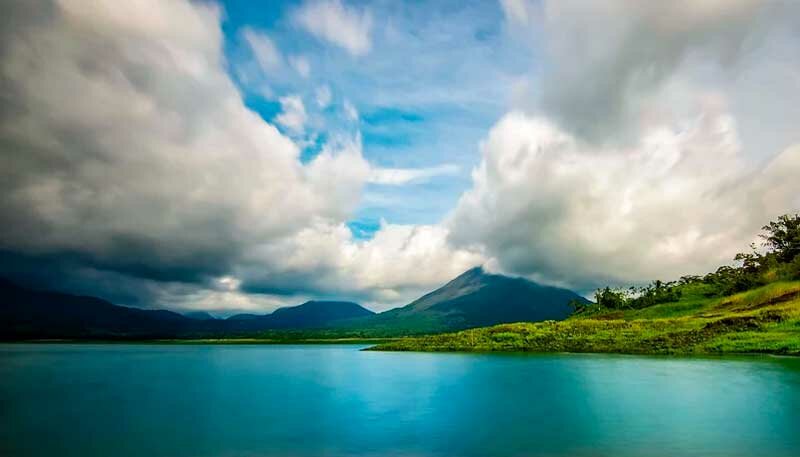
426, 91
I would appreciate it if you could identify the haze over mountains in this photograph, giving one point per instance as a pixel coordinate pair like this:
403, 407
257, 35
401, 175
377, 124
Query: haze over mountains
473, 299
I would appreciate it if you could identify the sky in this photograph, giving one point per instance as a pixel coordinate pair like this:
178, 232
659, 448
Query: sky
239, 156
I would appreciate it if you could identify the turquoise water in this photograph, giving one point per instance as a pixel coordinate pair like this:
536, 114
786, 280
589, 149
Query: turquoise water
161, 400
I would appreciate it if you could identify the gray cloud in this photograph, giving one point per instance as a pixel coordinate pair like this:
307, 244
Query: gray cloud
604, 60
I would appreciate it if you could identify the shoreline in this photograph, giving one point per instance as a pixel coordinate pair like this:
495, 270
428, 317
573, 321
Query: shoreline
376, 343
671, 355
210, 341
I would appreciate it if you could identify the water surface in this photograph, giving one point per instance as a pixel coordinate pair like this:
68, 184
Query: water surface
162, 400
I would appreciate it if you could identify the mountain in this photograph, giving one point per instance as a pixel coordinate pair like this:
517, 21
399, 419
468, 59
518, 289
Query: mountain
310, 315
473, 299
27, 313
244, 317
31, 314
476, 299
317, 314
199, 315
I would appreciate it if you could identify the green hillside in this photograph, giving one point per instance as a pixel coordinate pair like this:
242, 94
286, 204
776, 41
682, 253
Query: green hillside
751, 308
765, 320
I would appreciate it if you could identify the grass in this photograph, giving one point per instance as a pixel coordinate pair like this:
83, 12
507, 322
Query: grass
762, 320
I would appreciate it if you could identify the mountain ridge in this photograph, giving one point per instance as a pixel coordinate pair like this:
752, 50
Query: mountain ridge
26, 313
311, 314
474, 298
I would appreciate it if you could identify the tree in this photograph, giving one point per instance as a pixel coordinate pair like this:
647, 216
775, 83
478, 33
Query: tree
752, 262
654, 293
611, 298
783, 237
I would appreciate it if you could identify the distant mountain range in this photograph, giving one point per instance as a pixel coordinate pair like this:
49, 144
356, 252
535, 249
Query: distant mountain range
309, 315
473, 299
199, 315
27, 313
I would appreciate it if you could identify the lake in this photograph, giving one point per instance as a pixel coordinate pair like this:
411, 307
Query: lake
331, 400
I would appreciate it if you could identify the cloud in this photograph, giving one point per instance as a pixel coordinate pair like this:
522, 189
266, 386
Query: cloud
400, 262
293, 113
651, 149
350, 110
338, 172
130, 164
396, 176
323, 96
263, 48
128, 149
682, 200
135, 172
605, 59
221, 302
300, 65
337, 23
516, 11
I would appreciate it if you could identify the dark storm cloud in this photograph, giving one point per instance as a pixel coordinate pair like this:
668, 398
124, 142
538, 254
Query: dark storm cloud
126, 150
71, 274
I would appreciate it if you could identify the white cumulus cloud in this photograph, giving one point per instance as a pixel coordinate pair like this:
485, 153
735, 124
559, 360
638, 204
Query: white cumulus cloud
682, 200
656, 142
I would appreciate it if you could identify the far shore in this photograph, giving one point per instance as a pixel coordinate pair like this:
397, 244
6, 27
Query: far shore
172, 341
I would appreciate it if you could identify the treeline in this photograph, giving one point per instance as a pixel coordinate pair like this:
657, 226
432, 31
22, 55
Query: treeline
780, 260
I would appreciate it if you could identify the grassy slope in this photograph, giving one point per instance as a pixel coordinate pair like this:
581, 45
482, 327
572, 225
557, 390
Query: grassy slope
763, 320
